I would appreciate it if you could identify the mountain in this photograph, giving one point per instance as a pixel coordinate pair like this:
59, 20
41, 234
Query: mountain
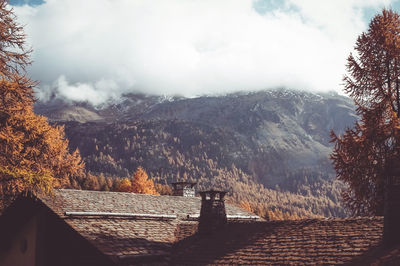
256, 145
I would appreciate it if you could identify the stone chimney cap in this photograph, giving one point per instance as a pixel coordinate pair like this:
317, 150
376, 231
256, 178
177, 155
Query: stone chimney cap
212, 193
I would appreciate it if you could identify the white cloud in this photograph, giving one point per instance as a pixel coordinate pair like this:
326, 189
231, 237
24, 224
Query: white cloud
107, 47
339, 18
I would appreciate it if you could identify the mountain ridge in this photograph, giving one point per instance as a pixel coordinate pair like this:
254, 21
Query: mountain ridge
278, 139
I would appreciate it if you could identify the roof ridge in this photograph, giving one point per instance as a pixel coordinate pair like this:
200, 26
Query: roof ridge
123, 198
120, 192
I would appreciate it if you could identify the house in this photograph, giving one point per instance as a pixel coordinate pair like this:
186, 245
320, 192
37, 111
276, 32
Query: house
76, 227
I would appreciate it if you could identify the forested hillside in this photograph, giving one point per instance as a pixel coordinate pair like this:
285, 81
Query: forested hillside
269, 149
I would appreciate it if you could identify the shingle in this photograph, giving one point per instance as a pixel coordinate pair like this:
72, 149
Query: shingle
119, 236
311, 242
334, 241
99, 201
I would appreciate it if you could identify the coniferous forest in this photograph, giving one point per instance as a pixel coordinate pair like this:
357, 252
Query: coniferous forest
271, 152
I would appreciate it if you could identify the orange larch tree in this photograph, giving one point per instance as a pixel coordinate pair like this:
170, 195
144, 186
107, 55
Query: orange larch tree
365, 153
34, 155
142, 184
139, 183
125, 186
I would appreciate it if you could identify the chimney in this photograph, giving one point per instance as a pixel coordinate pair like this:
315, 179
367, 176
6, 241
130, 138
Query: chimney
212, 213
391, 227
184, 189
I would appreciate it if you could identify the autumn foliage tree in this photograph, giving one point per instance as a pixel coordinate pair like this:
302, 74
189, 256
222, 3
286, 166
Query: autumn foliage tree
139, 183
34, 155
142, 184
125, 185
363, 156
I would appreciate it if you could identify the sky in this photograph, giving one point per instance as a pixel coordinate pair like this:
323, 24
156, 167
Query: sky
97, 50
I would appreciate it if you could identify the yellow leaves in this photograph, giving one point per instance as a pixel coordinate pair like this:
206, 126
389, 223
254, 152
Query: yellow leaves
125, 186
34, 155
16, 180
140, 183
270, 214
16, 94
30, 148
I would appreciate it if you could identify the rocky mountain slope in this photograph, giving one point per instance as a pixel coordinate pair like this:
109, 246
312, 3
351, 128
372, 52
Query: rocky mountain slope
255, 144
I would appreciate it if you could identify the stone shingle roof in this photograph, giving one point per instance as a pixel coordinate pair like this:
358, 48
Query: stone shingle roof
127, 237
70, 200
310, 242
316, 241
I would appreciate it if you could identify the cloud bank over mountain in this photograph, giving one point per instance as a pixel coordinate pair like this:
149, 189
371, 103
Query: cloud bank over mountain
94, 50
